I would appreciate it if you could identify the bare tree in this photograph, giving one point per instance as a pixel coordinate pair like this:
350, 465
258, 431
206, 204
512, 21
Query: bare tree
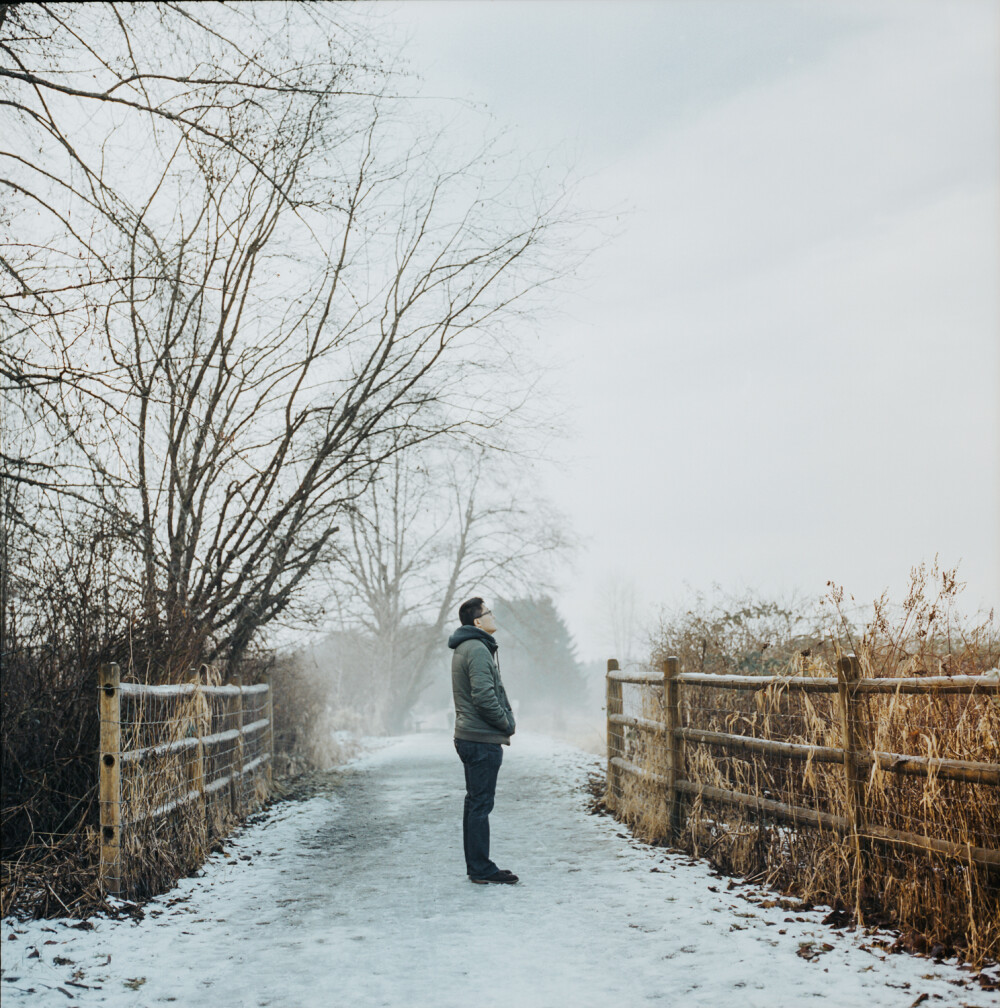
100, 100
424, 536
620, 615
286, 303
240, 277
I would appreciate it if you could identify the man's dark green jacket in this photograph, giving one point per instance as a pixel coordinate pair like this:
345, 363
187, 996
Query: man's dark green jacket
482, 710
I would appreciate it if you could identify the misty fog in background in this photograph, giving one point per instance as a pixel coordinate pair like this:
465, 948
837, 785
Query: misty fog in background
608, 313
782, 365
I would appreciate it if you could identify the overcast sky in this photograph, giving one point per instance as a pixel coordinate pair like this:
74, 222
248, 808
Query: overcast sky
784, 368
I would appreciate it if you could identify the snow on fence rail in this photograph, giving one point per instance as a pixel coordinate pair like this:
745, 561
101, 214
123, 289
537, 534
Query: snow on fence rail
882, 793
178, 765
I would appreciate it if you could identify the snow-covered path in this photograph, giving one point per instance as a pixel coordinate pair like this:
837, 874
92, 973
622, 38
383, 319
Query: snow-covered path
359, 898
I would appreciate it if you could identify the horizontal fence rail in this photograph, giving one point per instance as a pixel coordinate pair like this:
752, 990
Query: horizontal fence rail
799, 816
179, 745
923, 766
911, 686
194, 750
941, 685
189, 689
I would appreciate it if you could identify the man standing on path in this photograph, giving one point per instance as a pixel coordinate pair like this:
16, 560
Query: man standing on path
484, 722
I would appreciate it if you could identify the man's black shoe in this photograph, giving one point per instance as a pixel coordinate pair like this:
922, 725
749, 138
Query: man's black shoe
502, 877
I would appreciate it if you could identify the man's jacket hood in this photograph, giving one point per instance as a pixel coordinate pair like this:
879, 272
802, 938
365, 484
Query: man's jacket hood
464, 633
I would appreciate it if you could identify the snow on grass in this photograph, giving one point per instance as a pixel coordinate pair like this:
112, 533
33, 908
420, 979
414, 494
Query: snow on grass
359, 897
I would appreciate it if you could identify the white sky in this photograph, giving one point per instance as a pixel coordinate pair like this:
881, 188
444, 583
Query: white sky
784, 369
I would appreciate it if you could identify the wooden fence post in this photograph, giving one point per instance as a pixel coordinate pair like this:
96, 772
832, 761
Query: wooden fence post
109, 694
196, 763
848, 674
236, 789
613, 705
675, 754
269, 714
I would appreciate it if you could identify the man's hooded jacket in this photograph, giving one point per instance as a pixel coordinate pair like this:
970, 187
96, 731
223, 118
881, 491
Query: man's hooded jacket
482, 710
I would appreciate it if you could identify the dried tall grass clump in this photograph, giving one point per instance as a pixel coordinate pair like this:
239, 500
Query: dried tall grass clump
184, 796
641, 802
940, 902
314, 727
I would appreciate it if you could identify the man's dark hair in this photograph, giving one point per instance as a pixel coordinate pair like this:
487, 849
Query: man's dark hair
469, 612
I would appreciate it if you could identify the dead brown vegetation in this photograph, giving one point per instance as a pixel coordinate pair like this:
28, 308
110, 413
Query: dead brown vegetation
941, 903
49, 873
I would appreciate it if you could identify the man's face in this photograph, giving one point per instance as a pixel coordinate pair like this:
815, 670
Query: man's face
486, 622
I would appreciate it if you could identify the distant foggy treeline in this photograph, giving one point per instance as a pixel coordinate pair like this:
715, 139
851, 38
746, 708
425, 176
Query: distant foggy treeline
367, 683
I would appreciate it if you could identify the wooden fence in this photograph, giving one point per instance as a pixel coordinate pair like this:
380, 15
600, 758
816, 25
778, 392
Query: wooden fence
193, 752
672, 735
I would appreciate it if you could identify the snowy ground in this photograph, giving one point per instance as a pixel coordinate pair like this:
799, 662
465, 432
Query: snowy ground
359, 897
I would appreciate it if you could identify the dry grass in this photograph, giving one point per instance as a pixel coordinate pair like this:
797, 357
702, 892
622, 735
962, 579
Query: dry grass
157, 849
940, 903
54, 879
51, 853
59, 875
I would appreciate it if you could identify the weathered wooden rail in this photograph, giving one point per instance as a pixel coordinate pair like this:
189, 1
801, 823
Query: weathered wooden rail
856, 760
193, 748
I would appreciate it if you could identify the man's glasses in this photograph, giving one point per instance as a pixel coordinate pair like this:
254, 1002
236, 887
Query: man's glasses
485, 612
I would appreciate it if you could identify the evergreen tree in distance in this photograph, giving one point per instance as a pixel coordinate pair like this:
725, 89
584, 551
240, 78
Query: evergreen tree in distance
538, 655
